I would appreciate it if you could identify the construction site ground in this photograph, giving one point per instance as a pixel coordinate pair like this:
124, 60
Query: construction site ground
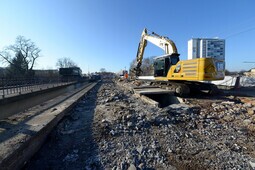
111, 128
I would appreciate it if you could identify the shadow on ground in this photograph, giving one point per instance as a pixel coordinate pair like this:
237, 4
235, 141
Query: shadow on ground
71, 144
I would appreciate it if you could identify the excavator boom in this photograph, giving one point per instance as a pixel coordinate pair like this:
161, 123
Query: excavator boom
162, 42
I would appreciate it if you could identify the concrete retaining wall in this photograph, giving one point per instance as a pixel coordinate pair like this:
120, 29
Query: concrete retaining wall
15, 153
12, 105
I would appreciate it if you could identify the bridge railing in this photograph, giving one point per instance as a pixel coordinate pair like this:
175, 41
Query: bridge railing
9, 86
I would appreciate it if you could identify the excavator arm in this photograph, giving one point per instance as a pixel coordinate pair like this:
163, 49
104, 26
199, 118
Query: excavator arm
160, 41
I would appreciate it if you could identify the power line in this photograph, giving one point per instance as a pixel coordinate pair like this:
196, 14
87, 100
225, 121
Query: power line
240, 24
249, 62
235, 34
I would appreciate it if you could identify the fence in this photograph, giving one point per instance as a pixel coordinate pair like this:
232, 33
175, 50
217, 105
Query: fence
11, 86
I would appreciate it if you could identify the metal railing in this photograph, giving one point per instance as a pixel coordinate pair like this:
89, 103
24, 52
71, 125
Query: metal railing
17, 86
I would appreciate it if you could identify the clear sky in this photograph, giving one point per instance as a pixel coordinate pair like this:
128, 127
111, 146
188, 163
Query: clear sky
105, 33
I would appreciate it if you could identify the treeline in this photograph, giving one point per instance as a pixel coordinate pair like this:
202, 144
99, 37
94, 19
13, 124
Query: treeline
147, 67
21, 57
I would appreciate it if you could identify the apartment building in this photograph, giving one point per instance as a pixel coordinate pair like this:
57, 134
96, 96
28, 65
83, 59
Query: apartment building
206, 48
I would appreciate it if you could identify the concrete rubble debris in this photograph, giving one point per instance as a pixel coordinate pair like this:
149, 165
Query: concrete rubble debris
252, 164
197, 135
71, 157
129, 134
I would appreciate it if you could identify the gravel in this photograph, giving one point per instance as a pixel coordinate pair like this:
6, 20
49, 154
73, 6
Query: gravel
125, 133
215, 134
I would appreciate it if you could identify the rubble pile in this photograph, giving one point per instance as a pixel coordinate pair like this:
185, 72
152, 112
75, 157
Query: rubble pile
131, 134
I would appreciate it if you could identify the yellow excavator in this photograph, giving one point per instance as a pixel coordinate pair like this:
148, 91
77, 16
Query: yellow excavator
184, 75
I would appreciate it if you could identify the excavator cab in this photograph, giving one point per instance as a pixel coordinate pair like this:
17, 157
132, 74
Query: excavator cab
163, 63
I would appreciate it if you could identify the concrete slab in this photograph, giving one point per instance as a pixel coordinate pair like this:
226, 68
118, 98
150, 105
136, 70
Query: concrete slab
146, 78
152, 90
147, 100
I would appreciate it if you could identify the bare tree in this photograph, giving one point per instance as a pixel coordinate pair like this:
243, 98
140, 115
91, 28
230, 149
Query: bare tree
24, 48
102, 70
65, 63
146, 67
131, 68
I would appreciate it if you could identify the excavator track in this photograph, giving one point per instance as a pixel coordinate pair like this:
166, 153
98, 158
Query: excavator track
186, 88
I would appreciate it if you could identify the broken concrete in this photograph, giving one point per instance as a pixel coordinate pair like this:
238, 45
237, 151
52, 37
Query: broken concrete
204, 132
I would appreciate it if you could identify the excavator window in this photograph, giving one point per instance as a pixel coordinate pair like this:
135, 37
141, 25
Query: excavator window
161, 66
167, 66
174, 60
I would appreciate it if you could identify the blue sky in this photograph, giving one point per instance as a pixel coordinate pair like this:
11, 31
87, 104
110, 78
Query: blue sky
105, 33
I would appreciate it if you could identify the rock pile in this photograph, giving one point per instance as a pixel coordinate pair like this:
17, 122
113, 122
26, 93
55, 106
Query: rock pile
134, 135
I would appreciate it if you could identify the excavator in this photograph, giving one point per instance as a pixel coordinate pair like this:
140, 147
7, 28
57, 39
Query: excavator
185, 76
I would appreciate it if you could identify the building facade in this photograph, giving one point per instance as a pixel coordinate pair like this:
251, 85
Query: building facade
206, 48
